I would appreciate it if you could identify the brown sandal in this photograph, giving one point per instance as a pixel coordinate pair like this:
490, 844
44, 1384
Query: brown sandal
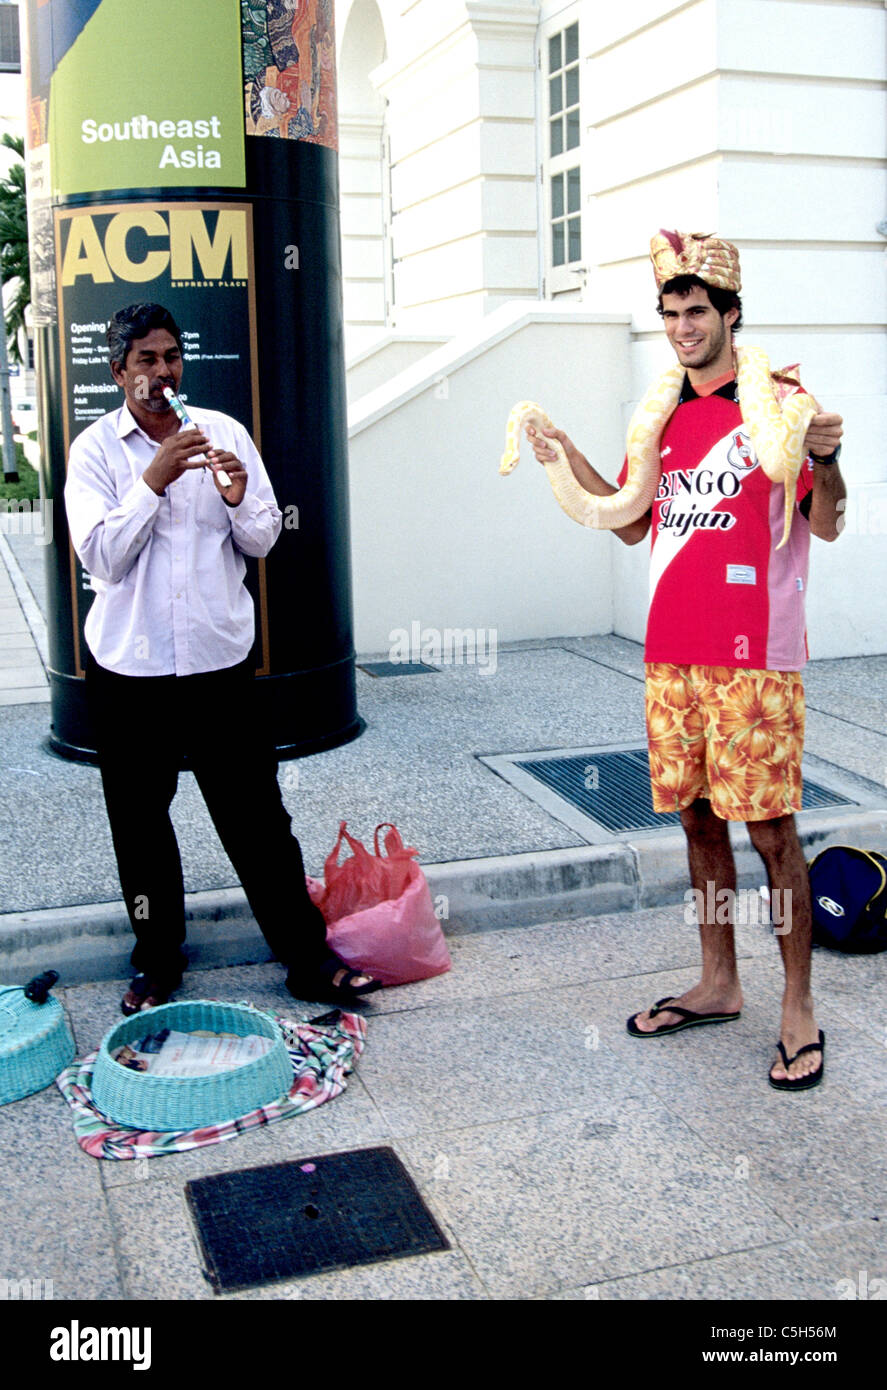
143, 993
323, 985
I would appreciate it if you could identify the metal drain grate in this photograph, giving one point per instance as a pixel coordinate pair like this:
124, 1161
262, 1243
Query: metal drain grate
287, 1220
397, 668
614, 788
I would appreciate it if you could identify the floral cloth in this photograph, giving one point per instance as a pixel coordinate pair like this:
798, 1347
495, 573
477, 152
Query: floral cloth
732, 735
322, 1057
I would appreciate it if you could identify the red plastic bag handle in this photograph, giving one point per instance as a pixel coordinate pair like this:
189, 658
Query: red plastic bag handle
357, 849
394, 844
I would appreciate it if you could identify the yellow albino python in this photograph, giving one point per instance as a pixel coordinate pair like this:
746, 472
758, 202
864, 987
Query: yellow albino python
777, 423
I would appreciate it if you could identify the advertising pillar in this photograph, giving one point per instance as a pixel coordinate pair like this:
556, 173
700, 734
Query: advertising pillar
188, 157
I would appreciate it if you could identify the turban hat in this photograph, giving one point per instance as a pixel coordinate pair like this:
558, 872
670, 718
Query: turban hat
695, 253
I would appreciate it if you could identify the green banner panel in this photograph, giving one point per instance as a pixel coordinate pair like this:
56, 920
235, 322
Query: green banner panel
169, 112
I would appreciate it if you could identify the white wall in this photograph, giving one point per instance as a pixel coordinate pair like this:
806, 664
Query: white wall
362, 174
762, 120
438, 536
385, 358
459, 83
802, 187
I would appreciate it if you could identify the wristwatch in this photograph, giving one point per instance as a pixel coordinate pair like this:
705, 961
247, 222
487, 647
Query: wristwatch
829, 458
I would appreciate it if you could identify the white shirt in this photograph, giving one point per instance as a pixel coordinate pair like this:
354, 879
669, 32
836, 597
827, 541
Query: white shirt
167, 571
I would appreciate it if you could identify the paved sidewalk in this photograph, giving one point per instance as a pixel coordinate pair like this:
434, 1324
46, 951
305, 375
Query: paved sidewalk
22, 672
23, 652
562, 1158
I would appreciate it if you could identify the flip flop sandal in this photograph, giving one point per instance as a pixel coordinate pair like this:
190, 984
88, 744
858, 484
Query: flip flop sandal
688, 1019
799, 1083
322, 987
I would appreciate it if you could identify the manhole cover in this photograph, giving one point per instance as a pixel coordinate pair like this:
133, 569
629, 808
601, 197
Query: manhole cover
287, 1220
598, 790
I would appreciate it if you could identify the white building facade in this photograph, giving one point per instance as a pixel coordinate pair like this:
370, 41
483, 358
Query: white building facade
504, 164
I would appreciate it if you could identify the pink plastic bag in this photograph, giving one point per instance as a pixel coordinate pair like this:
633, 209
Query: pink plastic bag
378, 910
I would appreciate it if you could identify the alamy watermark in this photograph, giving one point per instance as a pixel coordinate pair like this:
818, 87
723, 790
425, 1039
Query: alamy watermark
744, 907
449, 646
78, 1343
28, 1289
862, 1287
25, 516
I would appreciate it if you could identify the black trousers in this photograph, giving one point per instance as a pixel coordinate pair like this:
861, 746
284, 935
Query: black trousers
143, 726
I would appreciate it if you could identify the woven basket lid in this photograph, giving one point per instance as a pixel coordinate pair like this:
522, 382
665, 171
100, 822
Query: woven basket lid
35, 1043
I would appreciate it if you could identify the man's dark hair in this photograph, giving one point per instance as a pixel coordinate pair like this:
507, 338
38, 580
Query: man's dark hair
720, 300
137, 321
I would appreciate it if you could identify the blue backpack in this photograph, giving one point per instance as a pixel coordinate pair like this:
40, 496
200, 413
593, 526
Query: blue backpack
848, 888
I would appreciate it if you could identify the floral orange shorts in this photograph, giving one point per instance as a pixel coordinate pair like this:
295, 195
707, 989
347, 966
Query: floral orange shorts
731, 735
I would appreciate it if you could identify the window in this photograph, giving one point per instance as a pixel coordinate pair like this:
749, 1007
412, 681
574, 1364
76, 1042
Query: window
10, 54
563, 91
562, 194
566, 235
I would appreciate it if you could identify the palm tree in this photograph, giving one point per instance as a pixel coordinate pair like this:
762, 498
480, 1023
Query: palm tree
14, 263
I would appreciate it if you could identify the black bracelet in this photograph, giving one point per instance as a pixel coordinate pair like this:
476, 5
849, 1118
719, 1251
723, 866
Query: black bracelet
829, 458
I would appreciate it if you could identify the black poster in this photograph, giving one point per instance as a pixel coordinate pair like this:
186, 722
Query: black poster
196, 259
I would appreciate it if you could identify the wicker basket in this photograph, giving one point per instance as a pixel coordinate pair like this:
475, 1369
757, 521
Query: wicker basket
35, 1043
142, 1101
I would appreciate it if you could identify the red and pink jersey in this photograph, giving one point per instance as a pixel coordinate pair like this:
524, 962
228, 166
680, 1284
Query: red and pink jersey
720, 592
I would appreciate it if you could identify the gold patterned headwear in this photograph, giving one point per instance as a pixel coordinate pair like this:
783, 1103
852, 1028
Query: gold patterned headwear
695, 253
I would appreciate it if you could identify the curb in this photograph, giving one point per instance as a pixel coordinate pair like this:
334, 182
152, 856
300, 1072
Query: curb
93, 941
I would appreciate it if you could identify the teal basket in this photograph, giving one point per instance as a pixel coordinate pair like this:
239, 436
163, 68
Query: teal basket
35, 1043
141, 1101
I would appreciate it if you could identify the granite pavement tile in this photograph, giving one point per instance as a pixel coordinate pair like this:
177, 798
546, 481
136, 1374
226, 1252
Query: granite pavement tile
62, 1237
159, 1254
55, 1225
851, 1256
464, 1064
26, 696
849, 748
24, 655
12, 620
855, 987
817, 1157
38, 1149
784, 1272
22, 675
556, 1200
850, 687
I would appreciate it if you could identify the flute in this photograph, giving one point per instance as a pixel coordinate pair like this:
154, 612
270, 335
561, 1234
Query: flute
188, 423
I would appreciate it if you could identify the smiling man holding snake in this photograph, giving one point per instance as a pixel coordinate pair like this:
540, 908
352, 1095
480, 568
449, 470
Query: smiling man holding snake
719, 452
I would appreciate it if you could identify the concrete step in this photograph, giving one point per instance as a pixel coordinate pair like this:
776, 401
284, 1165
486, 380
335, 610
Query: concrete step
93, 941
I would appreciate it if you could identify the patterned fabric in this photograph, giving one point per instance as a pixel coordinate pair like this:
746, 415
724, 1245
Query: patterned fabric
322, 1057
733, 736
695, 253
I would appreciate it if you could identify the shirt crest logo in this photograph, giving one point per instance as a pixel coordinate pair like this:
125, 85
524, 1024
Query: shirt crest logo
740, 455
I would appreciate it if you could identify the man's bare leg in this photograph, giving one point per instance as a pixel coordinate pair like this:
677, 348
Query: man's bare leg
777, 843
712, 868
